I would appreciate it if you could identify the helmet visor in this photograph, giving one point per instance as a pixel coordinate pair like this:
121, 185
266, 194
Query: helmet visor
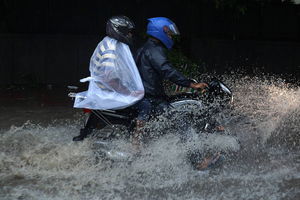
174, 30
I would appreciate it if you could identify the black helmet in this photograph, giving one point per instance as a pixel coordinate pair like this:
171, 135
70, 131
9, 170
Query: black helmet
120, 28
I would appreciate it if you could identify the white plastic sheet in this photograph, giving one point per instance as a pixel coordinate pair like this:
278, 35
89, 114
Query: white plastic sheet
115, 82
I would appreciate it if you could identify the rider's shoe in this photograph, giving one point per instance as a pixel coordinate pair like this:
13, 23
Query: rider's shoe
216, 161
84, 132
211, 162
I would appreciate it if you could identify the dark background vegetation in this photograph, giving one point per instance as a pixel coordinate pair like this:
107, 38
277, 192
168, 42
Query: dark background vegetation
51, 41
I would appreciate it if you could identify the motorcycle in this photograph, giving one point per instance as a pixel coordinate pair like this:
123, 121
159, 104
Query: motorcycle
194, 108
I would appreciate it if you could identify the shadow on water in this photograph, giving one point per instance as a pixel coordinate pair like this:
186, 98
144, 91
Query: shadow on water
39, 160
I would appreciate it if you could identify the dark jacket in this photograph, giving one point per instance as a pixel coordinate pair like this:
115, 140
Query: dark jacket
154, 67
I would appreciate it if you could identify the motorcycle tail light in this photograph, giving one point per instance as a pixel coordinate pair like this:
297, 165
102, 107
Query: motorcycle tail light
85, 110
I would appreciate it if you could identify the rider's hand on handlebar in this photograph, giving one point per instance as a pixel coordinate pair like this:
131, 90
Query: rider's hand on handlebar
197, 86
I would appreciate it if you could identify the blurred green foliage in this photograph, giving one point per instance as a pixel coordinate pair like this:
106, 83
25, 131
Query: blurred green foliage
185, 65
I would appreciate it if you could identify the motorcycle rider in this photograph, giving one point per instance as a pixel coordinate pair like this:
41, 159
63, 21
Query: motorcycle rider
154, 67
114, 82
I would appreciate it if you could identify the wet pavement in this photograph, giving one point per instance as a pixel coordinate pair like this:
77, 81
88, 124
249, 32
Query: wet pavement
19, 104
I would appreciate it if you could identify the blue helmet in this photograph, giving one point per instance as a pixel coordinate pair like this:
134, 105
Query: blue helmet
162, 29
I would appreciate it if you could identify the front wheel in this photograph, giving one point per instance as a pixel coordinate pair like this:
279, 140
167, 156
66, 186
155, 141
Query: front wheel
189, 111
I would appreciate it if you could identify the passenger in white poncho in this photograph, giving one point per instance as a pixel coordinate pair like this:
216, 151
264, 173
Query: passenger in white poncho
115, 82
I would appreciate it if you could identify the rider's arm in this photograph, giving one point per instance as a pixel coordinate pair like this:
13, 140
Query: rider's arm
162, 65
116, 85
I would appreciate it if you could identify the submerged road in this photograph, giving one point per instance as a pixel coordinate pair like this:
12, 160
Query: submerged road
38, 159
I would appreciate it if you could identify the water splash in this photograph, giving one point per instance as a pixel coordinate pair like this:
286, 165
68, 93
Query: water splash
41, 162
265, 103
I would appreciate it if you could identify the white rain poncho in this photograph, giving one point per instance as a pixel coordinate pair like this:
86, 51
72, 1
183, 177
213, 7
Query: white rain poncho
115, 82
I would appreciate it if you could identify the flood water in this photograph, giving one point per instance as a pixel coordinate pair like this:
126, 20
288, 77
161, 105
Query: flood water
38, 159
